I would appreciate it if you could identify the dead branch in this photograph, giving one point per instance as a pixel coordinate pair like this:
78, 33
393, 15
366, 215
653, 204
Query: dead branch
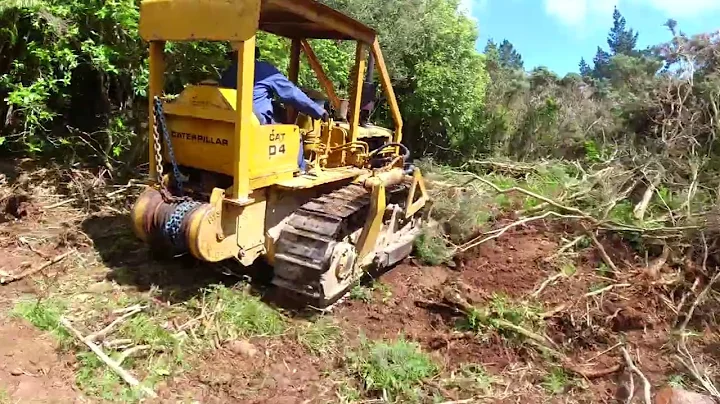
604, 352
13, 278
61, 203
114, 366
699, 300
593, 374
546, 283
647, 393
100, 335
131, 351
499, 232
653, 270
529, 193
641, 207
606, 288
687, 294
130, 308
686, 359
603, 254
555, 310
564, 248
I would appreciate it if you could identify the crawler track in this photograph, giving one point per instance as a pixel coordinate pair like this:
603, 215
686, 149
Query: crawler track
304, 249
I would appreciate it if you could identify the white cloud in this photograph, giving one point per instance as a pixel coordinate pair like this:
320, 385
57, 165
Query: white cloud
576, 13
683, 8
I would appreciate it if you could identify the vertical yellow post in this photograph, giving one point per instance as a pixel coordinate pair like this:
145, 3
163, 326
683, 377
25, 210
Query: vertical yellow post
157, 82
243, 122
389, 92
356, 86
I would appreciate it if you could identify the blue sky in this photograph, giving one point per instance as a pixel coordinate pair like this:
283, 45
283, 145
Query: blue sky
557, 33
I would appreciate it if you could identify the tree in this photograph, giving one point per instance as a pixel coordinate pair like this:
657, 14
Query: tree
621, 40
585, 69
601, 61
438, 75
509, 57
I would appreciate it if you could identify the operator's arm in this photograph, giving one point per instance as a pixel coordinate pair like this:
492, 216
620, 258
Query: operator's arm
288, 93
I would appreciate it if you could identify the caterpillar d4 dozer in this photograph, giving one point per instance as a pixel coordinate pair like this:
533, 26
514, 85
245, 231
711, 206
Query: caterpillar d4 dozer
225, 187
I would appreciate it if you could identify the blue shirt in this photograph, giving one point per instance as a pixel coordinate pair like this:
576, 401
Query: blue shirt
268, 82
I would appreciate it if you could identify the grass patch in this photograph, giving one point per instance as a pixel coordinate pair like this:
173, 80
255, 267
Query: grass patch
677, 382
500, 309
95, 379
4, 396
365, 293
320, 337
239, 314
393, 369
45, 315
472, 378
348, 394
556, 381
362, 293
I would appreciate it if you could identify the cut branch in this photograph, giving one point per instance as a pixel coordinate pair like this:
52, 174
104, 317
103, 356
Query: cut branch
499, 232
13, 278
647, 393
114, 366
100, 335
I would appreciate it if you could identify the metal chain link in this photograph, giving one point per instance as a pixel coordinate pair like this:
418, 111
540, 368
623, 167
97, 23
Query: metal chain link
158, 149
173, 227
160, 123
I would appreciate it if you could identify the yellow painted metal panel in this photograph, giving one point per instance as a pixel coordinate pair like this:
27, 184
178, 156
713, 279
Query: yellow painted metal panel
325, 177
325, 82
213, 114
185, 20
275, 149
244, 126
201, 143
389, 92
356, 95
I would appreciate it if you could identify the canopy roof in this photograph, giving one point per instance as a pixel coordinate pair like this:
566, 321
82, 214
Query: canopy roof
238, 20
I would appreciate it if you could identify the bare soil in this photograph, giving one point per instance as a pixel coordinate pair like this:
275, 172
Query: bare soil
31, 369
584, 326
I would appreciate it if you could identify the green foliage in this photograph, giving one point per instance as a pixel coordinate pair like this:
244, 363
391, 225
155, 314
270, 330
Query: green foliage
485, 319
45, 315
367, 293
95, 379
472, 378
362, 293
393, 368
431, 247
61, 51
320, 337
240, 314
556, 381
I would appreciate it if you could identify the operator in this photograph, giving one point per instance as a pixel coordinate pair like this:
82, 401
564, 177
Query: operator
268, 82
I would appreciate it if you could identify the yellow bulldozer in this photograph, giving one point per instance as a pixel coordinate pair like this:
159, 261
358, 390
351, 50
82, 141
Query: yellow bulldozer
223, 186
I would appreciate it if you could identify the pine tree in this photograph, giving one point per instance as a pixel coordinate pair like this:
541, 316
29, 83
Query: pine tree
621, 40
585, 69
509, 57
492, 56
602, 64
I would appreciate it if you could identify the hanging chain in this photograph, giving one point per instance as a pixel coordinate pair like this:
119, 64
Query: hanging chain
158, 149
160, 125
